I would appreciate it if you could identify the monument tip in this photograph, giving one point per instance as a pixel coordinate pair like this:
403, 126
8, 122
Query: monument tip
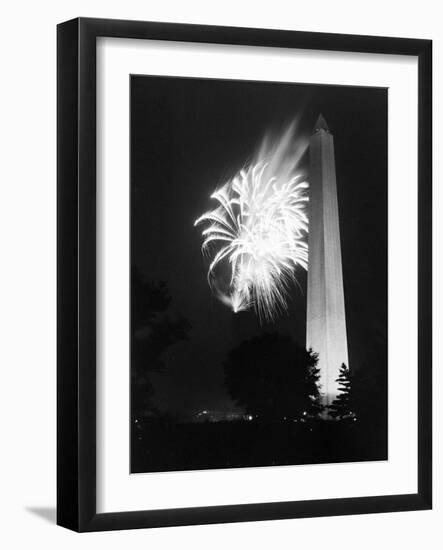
321, 124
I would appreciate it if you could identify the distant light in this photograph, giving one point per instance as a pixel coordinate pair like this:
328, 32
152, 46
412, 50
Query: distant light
250, 417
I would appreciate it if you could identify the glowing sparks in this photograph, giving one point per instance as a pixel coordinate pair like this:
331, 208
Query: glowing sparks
258, 230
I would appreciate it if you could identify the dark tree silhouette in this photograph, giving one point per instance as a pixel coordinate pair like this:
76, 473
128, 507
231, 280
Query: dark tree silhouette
315, 406
153, 332
272, 377
342, 406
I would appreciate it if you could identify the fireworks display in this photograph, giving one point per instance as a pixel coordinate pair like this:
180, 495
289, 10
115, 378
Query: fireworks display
256, 235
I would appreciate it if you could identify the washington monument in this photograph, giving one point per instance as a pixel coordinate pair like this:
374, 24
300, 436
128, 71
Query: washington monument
326, 318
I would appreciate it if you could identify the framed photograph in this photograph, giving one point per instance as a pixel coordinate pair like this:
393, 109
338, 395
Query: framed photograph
244, 274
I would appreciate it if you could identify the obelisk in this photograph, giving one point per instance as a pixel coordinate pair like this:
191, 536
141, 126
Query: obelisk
326, 318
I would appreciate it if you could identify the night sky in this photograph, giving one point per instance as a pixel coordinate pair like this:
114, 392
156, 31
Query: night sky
189, 136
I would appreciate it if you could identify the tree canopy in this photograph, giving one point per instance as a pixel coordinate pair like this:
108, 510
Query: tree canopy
272, 377
153, 333
342, 406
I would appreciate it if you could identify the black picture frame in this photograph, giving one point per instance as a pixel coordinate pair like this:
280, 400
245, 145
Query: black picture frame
76, 296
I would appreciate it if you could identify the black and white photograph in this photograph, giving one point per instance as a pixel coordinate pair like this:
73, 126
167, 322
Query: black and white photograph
221, 316
259, 270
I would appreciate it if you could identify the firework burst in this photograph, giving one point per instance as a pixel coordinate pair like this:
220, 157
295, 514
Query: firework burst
258, 230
